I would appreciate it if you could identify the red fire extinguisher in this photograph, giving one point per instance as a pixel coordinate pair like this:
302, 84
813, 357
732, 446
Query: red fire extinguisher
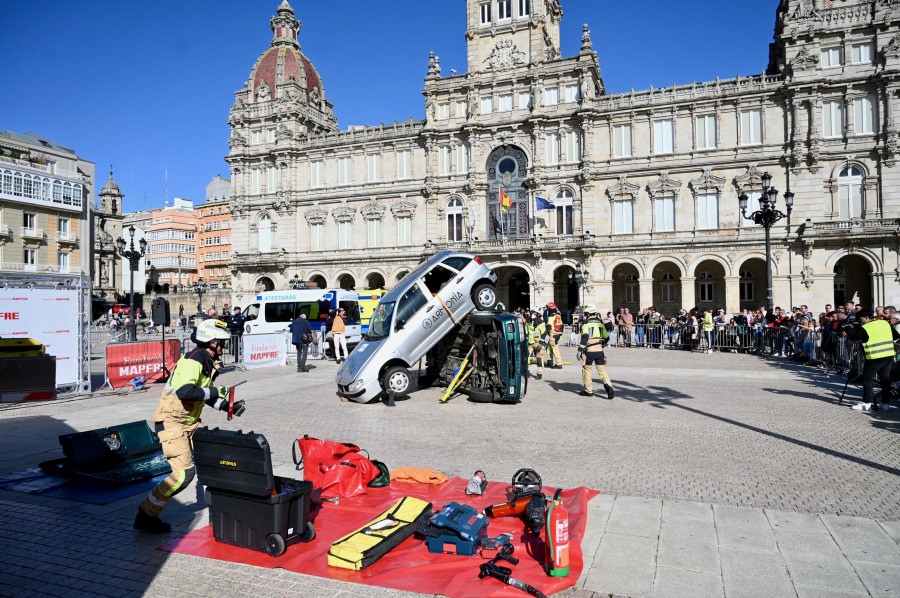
557, 553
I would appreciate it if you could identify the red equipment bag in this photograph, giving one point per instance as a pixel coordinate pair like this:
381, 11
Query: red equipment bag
337, 468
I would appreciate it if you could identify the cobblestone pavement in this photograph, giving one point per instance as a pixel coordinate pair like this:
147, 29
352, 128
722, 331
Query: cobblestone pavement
715, 471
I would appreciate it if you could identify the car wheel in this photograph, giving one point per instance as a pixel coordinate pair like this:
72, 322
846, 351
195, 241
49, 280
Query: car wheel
477, 395
484, 296
481, 319
396, 378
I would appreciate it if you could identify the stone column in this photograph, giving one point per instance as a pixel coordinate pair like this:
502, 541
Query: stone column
732, 294
602, 296
646, 294
688, 292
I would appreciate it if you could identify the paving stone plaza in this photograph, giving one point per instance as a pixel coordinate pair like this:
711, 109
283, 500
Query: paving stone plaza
720, 475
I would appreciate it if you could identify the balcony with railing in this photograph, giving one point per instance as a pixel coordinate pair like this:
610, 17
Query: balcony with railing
47, 268
5, 231
66, 237
32, 233
34, 184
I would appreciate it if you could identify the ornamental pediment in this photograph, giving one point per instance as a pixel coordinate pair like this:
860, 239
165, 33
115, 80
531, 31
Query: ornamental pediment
804, 60
664, 185
752, 178
315, 215
707, 181
373, 211
403, 209
343, 214
622, 188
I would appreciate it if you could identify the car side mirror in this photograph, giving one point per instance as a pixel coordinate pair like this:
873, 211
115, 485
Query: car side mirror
400, 324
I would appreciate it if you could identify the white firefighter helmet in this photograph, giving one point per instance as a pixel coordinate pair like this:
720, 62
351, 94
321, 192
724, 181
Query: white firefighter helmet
590, 308
210, 330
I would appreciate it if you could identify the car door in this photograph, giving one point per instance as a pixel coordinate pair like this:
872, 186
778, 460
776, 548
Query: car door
461, 284
409, 329
443, 287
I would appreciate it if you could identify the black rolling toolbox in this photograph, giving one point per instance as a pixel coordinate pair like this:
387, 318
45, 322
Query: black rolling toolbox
251, 508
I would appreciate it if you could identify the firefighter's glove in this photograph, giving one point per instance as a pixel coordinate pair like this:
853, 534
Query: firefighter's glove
239, 408
580, 352
221, 393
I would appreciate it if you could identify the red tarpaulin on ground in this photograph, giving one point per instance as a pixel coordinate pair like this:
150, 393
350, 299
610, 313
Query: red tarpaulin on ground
410, 566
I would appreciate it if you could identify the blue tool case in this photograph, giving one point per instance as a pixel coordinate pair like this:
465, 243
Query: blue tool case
455, 529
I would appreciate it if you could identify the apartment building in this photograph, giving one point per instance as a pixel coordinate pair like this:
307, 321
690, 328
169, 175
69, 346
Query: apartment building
45, 206
172, 247
214, 234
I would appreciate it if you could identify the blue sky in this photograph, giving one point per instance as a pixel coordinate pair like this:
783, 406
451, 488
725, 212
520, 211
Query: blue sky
147, 86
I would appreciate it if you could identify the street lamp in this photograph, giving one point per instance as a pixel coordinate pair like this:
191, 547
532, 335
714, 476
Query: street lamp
200, 287
134, 260
296, 282
766, 216
579, 278
178, 284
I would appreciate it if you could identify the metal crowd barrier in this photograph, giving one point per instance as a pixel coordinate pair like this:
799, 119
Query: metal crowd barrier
316, 348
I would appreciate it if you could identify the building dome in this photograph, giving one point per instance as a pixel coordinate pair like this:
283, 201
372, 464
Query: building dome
283, 70
110, 188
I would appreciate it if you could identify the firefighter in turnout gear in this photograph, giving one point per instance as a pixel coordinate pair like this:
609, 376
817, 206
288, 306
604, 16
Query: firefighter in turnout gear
536, 329
189, 388
594, 336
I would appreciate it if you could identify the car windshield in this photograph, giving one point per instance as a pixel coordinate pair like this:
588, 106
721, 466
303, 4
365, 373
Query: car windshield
380, 324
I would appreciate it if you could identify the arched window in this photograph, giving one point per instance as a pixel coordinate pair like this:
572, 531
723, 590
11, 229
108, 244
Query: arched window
564, 220
265, 233
455, 220
850, 196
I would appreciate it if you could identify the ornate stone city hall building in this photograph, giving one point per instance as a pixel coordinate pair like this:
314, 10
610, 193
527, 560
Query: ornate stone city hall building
645, 185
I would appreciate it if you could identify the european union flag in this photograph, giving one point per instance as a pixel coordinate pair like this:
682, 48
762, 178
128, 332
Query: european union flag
543, 204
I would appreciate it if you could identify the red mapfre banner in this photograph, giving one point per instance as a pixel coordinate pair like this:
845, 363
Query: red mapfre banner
127, 361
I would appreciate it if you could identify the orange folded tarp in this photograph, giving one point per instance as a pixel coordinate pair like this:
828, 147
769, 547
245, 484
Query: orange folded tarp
418, 474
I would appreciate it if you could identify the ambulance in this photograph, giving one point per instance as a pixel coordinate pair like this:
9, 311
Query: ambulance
273, 311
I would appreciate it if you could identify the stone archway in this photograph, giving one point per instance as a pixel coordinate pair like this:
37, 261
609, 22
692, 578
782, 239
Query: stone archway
265, 284
513, 287
374, 281
565, 289
319, 281
667, 288
853, 281
626, 288
709, 289
400, 276
752, 284
347, 282
507, 169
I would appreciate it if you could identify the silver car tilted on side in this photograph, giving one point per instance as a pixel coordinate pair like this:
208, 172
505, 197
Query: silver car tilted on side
411, 319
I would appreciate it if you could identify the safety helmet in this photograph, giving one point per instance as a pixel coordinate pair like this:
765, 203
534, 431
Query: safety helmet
551, 305
210, 330
590, 308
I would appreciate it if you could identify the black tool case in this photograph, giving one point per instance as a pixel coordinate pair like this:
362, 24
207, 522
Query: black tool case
251, 508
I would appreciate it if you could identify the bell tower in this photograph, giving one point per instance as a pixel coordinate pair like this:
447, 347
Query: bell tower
504, 34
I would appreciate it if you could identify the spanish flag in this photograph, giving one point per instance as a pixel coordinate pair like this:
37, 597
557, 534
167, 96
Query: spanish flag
505, 201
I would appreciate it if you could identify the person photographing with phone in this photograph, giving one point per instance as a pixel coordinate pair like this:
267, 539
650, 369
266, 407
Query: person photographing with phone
188, 390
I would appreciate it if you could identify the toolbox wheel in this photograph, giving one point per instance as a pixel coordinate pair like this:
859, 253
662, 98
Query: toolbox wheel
396, 378
310, 534
484, 296
275, 545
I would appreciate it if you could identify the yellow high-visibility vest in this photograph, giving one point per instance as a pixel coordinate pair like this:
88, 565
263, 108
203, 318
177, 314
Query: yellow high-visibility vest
881, 340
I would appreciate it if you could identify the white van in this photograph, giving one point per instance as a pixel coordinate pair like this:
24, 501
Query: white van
273, 311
